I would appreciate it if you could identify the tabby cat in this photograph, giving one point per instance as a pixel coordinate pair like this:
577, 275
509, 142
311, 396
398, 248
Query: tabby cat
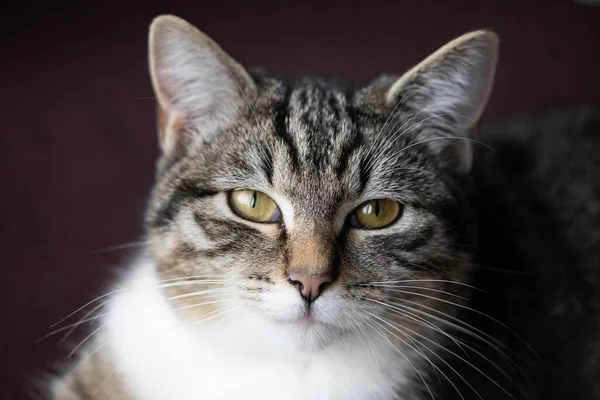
307, 240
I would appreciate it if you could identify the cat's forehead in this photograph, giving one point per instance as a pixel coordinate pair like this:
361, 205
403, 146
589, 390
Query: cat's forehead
315, 127
318, 123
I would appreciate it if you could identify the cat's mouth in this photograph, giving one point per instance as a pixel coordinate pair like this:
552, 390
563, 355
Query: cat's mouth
306, 319
309, 320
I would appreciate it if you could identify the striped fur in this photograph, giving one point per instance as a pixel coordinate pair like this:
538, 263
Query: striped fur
319, 150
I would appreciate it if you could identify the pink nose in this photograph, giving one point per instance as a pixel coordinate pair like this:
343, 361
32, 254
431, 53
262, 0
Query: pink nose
310, 285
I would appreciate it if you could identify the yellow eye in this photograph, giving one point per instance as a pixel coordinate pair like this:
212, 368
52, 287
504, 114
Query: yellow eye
254, 206
375, 214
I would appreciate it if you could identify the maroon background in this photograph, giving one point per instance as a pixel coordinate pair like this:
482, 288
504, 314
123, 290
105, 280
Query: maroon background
78, 137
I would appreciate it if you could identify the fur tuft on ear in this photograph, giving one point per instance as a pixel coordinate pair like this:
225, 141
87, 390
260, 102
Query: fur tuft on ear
199, 87
449, 91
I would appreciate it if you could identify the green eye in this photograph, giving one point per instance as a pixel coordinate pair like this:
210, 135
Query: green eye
254, 206
375, 214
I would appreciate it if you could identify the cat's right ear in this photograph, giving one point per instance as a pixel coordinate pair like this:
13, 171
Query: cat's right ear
199, 87
444, 95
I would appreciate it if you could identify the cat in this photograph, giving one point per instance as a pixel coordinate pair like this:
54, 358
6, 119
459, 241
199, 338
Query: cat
307, 240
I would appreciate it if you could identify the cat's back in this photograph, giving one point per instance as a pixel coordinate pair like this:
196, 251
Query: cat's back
540, 207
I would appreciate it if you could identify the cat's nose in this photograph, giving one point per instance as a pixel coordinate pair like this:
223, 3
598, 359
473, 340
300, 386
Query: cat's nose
310, 285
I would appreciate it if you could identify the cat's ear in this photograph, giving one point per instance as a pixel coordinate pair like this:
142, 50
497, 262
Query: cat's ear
199, 87
449, 91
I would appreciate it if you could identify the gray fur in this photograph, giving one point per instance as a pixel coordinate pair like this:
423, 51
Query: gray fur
321, 150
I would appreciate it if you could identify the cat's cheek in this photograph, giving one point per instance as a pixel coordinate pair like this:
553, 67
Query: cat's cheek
164, 245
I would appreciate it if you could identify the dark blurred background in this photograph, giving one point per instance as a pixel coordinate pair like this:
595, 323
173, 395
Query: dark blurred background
78, 135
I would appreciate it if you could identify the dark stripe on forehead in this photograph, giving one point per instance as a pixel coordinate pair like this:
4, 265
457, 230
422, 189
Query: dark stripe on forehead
354, 143
364, 164
266, 162
185, 190
349, 149
281, 129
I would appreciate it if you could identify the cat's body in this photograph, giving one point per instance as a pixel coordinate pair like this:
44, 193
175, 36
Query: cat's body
315, 289
539, 198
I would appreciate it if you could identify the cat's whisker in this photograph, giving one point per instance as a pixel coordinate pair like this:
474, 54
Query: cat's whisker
465, 361
469, 309
191, 277
211, 277
396, 116
509, 362
403, 328
400, 352
472, 331
364, 339
355, 330
87, 305
372, 346
70, 328
418, 320
461, 326
368, 323
445, 138
191, 283
401, 310
394, 286
378, 329
430, 117
203, 293
202, 304
419, 280
87, 315
396, 136
213, 314
378, 158
113, 292
123, 246
88, 337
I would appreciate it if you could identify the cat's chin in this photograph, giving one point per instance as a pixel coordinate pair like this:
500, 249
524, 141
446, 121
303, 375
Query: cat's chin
315, 337
302, 333
311, 334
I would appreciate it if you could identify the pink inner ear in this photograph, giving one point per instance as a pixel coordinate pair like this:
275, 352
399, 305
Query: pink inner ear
168, 124
163, 118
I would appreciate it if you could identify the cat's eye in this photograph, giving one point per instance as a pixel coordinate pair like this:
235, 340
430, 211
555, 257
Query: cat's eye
376, 214
254, 206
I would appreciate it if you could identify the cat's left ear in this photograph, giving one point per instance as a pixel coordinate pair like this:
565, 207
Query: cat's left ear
447, 92
199, 87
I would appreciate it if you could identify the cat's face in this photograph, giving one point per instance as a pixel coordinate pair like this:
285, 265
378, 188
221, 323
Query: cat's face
316, 212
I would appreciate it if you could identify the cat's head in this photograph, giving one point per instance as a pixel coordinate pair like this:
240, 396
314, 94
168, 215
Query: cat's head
313, 211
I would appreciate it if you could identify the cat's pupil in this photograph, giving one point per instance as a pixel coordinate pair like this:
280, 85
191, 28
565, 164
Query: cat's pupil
253, 200
377, 208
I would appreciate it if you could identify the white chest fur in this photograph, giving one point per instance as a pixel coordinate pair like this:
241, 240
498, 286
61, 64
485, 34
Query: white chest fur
164, 359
